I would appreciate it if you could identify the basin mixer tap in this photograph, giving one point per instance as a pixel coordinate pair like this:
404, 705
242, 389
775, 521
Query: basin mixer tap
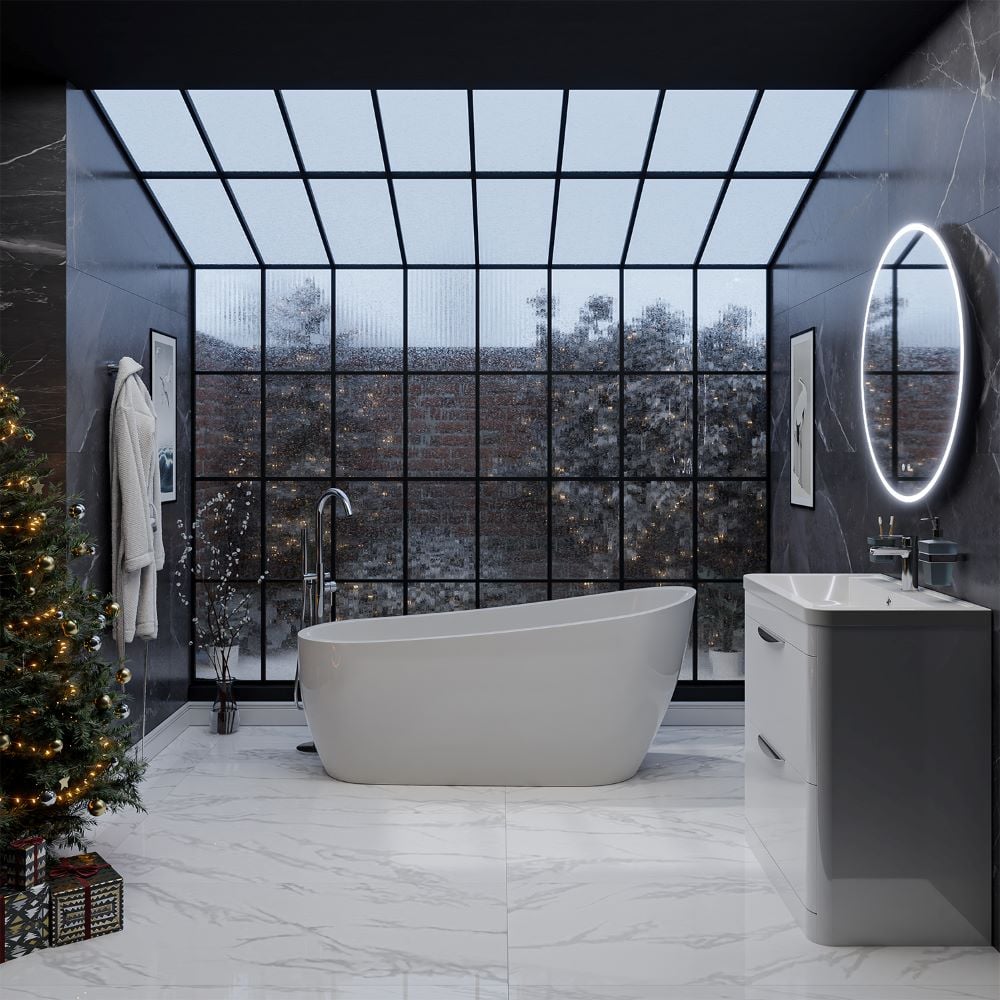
904, 553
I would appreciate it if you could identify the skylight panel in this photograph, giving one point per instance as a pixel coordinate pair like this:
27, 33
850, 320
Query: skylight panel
607, 129
357, 218
157, 128
792, 128
426, 129
671, 222
515, 220
335, 129
517, 129
436, 220
699, 129
281, 221
592, 220
204, 220
753, 216
245, 128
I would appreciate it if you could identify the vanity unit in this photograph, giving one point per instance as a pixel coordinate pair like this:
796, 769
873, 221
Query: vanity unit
868, 757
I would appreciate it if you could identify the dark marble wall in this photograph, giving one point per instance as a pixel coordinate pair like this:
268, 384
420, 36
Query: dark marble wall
124, 276
925, 147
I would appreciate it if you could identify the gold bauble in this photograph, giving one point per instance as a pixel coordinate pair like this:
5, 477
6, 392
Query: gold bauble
42, 516
93, 595
104, 701
46, 564
4, 741
70, 627
97, 807
112, 608
29, 435
31, 592
124, 675
57, 745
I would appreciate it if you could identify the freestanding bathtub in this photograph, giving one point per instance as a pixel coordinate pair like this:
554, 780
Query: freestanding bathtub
565, 692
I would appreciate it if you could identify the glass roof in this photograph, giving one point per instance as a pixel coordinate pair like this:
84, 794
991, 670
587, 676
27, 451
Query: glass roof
456, 177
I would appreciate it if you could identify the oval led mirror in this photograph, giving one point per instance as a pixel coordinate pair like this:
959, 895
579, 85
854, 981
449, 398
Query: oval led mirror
913, 362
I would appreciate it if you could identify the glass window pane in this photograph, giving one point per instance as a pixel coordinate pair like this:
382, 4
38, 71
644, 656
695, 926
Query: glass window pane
298, 425
580, 588
442, 319
370, 546
927, 324
442, 531
227, 436
792, 128
357, 219
427, 598
335, 129
753, 216
658, 531
671, 221
249, 665
227, 320
658, 320
228, 513
369, 425
426, 129
515, 221
607, 129
513, 535
369, 320
435, 217
513, 437
699, 129
498, 595
245, 128
592, 220
732, 529
732, 320
203, 218
584, 425
157, 128
732, 425
584, 531
513, 319
442, 425
283, 605
368, 600
517, 129
290, 507
281, 221
584, 320
658, 425
298, 319
720, 632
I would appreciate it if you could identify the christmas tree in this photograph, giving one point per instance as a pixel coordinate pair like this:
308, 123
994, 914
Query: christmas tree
64, 742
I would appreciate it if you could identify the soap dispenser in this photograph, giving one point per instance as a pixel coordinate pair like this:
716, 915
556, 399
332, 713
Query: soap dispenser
938, 556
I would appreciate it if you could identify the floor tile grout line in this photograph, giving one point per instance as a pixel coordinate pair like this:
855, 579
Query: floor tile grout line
506, 885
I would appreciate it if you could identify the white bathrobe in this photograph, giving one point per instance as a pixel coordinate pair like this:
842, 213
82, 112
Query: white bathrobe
136, 536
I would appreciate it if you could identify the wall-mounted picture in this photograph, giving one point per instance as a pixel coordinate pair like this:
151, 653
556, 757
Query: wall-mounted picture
164, 393
803, 464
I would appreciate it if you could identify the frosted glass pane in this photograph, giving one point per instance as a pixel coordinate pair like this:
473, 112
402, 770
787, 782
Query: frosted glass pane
426, 129
658, 322
699, 129
335, 129
792, 128
592, 221
517, 129
297, 327
204, 220
157, 128
436, 219
732, 320
513, 319
671, 222
607, 129
369, 320
245, 128
442, 319
515, 221
227, 320
281, 221
753, 217
357, 218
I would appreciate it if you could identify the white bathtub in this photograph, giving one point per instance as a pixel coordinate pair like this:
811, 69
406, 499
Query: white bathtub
563, 692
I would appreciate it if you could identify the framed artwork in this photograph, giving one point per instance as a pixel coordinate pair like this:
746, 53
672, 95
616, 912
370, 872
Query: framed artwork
164, 393
802, 466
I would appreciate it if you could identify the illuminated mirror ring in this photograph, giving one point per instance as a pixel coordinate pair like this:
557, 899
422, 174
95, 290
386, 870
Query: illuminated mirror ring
914, 313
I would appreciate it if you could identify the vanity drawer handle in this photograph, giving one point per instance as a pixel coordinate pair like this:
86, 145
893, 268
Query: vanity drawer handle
767, 637
768, 749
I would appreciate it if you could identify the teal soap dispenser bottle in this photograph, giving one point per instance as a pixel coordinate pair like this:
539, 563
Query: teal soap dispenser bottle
937, 574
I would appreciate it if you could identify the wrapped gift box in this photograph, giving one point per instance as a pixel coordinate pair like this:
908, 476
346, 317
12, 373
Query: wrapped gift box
24, 913
86, 899
22, 862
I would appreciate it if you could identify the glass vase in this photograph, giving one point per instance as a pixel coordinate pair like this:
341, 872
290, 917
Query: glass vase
224, 718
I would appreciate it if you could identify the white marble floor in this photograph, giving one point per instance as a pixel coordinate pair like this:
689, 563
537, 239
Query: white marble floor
254, 876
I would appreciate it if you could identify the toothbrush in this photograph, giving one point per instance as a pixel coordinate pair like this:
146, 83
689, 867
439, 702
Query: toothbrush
880, 526
892, 524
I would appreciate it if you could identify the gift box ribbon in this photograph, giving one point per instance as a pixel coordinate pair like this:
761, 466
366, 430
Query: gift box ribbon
34, 844
82, 871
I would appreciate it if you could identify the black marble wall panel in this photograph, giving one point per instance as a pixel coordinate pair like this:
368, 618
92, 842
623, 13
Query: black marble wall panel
925, 147
33, 256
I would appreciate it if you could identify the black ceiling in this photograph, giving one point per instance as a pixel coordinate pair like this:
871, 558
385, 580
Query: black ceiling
462, 43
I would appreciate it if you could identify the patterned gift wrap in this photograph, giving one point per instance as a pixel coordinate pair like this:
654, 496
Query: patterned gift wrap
22, 862
86, 899
25, 916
